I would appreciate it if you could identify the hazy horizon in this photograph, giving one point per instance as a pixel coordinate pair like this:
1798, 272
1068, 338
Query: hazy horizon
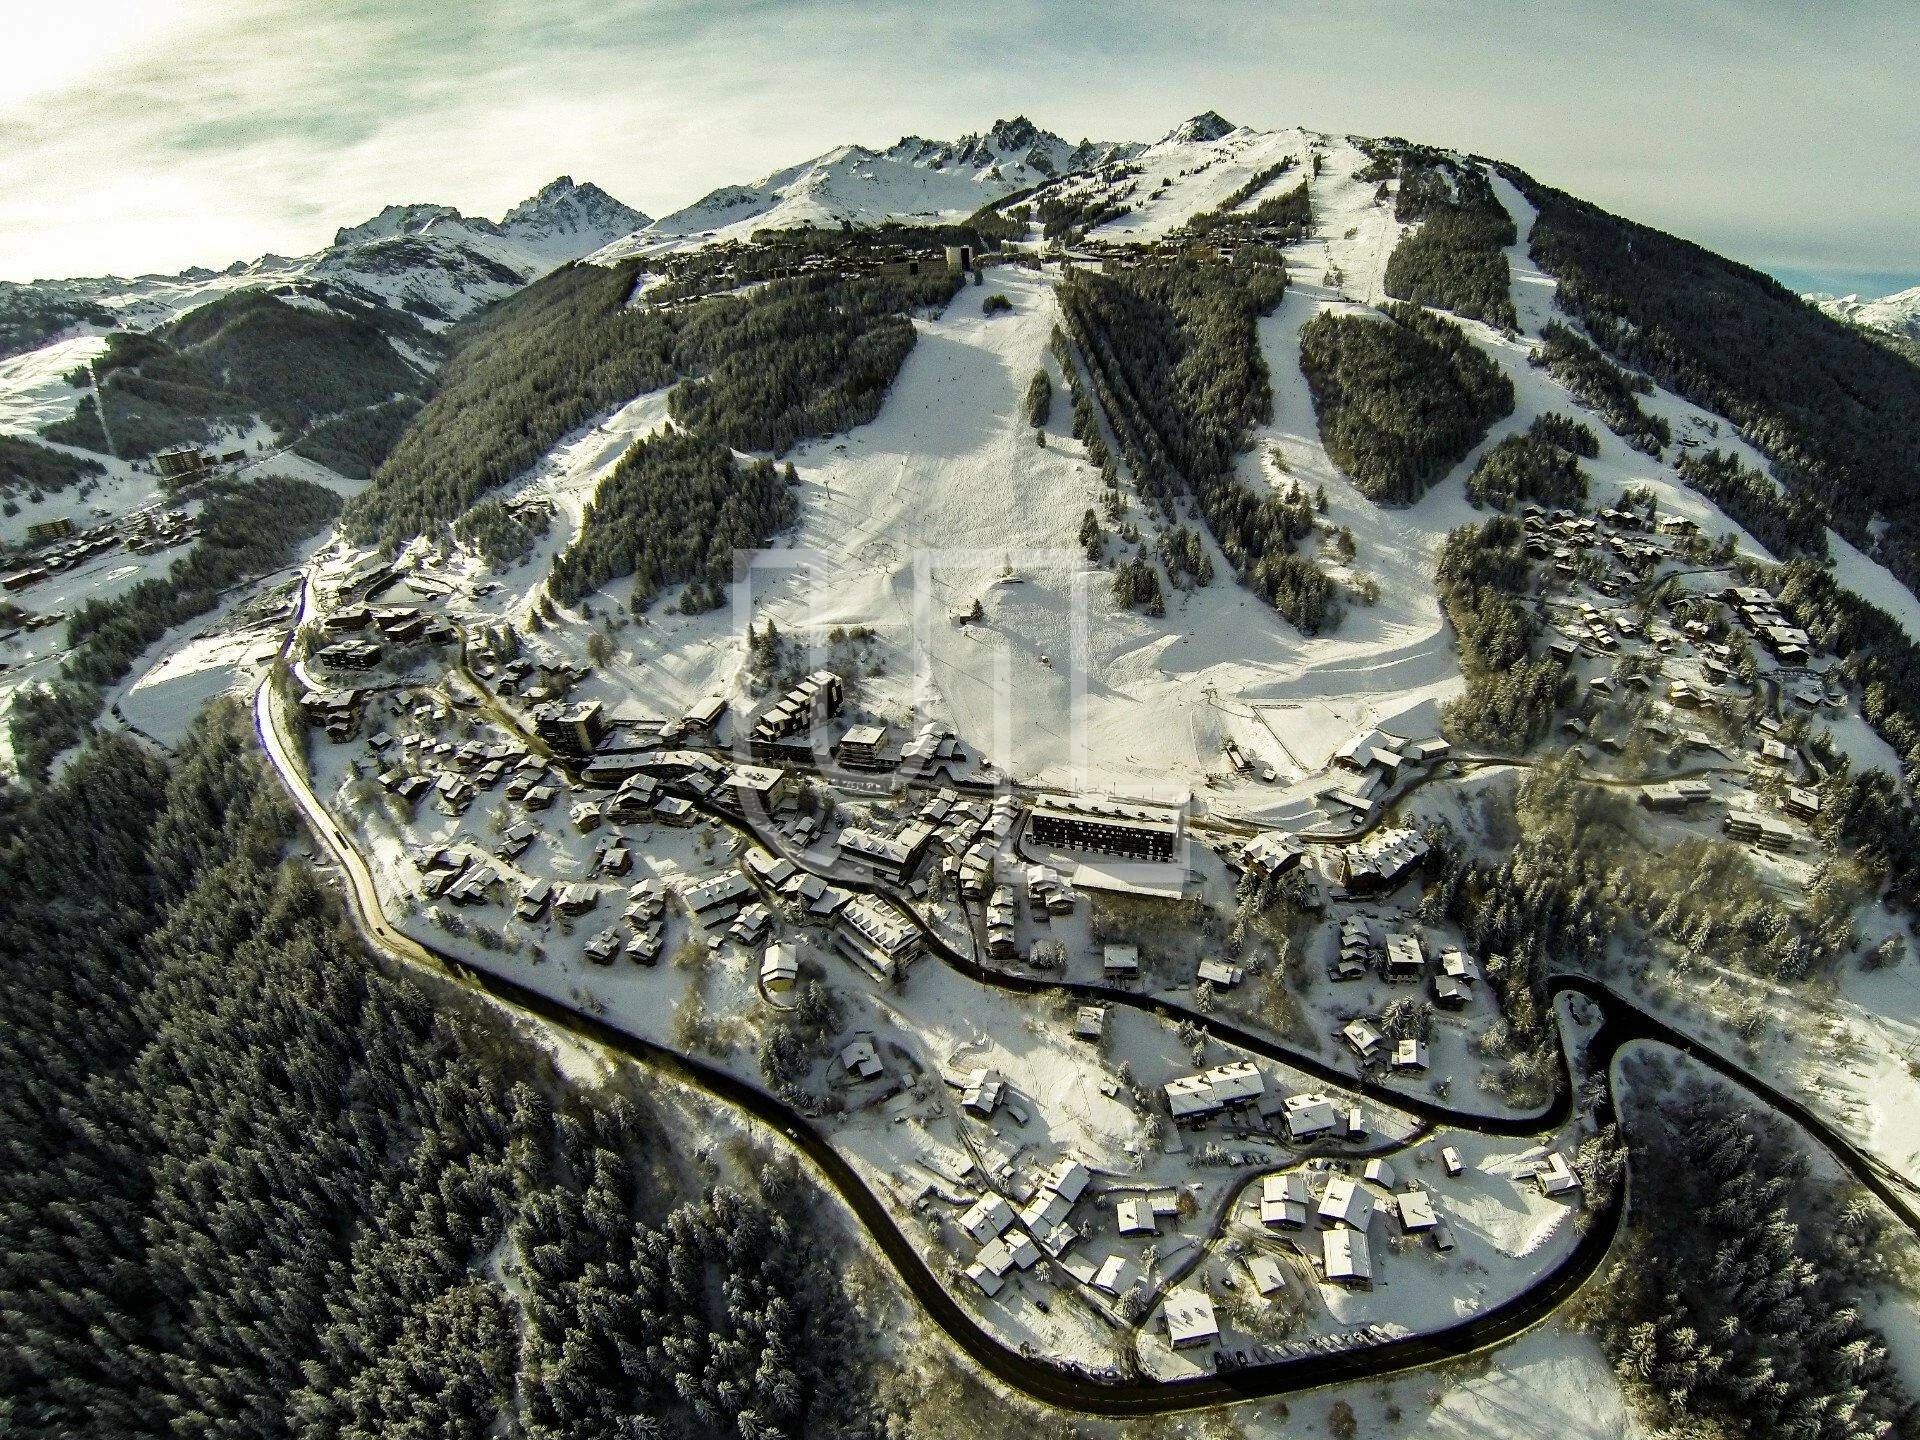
148, 137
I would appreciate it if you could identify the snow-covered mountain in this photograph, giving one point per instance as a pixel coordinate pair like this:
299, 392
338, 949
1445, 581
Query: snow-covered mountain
1897, 314
914, 179
429, 260
1015, 151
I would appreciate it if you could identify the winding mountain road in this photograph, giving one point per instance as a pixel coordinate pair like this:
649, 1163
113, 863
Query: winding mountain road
1065, 1387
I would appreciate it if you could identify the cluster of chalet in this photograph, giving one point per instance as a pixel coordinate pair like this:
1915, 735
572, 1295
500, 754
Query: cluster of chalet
1760, 612
1027, 1220
1324, 1212
1402, 959
1561, 536
1595, 628
452, 775
358, 634
60, 545
1376, 864
1375, 763
1586, 628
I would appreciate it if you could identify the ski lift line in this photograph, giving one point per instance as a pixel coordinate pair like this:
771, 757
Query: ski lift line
100, 409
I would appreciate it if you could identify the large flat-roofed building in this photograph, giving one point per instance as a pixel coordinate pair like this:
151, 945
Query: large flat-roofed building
174, 464
702, 718
45, 532
576, 729
746, 787
1139, 832
860, 747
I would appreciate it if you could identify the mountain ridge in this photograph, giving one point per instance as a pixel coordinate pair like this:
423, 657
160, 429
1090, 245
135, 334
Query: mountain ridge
1896, 314
914, 178
427, 259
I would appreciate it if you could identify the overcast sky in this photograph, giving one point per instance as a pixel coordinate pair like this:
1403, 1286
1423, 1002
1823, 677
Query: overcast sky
143, 135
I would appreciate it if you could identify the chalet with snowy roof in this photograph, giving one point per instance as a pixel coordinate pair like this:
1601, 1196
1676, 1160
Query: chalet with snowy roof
534, 899
1555, 1176
1188, 1312
1193, 1098
632, 803
1345, 1203
1802, 802
1406, 961
1135, 1216
1308, 1116
769, 869
717, 900
1001, 942
931, 746
1219, 974
1345, 1257
987, 1217
1415, 1208
982, 1092
1380, 862
859, 1060
1111, 1278
1272, 852
1283, 1201
604, 947
1363, 1037
893, 857
751, 925
1265, 1273
875, 935
704, 717
1357, 946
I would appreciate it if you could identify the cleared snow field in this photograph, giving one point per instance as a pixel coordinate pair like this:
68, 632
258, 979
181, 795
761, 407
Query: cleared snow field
166, 697
907, 522
1181, 178
34, 389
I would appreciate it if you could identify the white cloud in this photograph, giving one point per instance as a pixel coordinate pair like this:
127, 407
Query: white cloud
200, 132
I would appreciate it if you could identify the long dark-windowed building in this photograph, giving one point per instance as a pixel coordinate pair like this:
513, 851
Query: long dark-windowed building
1138, 832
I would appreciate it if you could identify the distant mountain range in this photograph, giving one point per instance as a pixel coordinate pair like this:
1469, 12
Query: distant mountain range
429, 264
1897, 314
429, 261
